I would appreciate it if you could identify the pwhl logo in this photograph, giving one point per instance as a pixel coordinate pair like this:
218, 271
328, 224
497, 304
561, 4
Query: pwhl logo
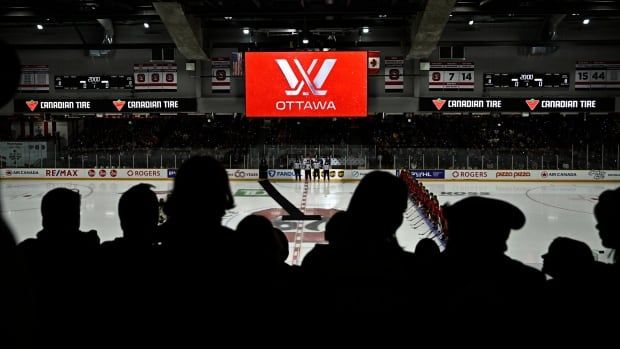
297, 84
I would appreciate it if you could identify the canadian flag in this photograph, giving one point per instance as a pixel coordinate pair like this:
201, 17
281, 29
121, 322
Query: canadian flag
374, 62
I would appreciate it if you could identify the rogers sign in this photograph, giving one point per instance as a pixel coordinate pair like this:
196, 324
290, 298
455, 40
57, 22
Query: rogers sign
469, 174
314, 84
143, 173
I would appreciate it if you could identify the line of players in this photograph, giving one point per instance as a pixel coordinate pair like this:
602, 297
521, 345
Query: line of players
312, 168
427, 201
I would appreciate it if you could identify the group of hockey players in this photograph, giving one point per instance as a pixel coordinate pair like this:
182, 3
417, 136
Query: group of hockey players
426, 201
312, 168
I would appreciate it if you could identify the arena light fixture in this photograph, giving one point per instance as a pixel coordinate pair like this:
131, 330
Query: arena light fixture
586, 21
146, 25
365, 30
471, 22
39, 26
246, 31
305, 41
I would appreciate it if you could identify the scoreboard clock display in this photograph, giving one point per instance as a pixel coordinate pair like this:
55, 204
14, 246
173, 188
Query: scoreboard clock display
526, 80
451, 76
597, 75
93, 82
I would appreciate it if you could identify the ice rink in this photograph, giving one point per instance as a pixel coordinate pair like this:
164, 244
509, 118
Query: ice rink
552, 210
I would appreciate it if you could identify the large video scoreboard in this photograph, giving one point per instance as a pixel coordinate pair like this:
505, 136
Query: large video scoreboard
526, 80
93, 82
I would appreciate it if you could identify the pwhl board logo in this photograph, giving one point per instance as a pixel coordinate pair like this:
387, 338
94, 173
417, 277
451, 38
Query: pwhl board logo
313, 84
297, 84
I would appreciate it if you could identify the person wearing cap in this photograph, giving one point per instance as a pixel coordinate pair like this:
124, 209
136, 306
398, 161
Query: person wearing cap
479, 276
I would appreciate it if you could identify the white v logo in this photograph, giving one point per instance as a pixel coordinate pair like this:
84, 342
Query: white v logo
296, 85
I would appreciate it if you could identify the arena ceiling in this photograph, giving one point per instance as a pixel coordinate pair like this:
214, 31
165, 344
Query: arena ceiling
332, 22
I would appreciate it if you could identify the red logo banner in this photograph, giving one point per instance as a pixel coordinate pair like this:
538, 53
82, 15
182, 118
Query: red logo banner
309, 84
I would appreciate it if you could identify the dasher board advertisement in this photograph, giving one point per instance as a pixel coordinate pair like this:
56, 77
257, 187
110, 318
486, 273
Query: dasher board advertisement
308, 84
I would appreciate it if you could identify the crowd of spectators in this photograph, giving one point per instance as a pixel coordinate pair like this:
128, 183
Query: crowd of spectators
192, 281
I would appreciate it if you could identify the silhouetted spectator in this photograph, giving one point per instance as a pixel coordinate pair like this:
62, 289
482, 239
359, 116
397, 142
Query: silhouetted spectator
608, 222
200, 276
608, 225
138, 210
263, 257
367, 272
567, 260
129, 269
336, 230
282, 244
479, 277
62, 264
16, 314
574, 290
427, 251
261, 246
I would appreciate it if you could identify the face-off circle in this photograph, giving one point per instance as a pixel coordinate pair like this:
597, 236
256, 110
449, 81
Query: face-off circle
313, 231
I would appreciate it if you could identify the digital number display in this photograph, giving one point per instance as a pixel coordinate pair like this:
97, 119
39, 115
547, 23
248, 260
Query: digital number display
93, 82
526, 80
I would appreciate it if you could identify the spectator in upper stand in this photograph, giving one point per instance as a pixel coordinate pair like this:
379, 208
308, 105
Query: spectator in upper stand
62, 265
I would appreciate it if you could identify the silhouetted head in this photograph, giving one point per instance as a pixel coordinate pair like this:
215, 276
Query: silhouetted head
607, 214
567, 257
138, 210
427, 249
257, 235
201, 191
378, 204
60, 209
336, 228
282, 243
10, 70
482, 224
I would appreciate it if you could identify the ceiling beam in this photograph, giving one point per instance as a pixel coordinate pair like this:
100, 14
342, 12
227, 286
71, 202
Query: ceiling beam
428, 26
186, 32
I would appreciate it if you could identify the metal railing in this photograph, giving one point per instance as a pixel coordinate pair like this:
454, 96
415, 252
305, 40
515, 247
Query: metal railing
583, 157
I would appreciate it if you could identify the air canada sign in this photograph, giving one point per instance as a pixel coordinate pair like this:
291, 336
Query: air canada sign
314, 84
